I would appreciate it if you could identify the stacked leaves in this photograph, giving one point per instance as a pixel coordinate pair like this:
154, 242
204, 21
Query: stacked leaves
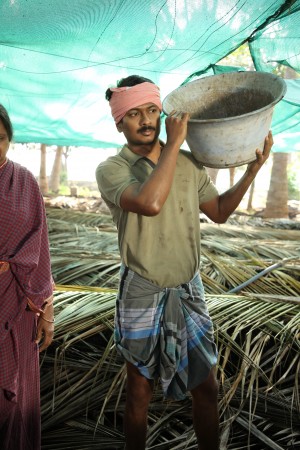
256, 330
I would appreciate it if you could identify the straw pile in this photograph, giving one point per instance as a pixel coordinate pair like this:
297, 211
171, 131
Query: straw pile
256, 329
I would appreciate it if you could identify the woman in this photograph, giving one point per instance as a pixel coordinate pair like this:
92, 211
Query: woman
26, 296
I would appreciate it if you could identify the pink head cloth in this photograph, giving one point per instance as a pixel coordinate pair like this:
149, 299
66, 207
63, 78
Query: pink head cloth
129, 97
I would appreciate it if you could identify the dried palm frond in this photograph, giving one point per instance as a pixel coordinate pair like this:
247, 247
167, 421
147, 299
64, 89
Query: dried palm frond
84, 255
103, 221
82, 376
257, 333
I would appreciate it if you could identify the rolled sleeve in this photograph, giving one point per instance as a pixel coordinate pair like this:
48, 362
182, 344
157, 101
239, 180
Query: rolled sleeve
112, 179
206, 189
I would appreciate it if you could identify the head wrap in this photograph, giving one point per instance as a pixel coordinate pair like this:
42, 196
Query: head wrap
129, 97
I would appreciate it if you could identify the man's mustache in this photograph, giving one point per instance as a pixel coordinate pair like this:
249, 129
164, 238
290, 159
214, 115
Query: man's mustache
141, 130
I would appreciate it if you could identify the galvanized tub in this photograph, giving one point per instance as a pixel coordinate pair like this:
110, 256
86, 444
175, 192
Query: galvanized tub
230, 115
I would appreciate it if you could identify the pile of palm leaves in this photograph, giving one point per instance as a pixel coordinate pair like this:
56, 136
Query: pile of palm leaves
256, 329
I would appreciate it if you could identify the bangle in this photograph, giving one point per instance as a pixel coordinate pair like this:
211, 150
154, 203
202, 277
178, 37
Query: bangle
48, 302
47, 320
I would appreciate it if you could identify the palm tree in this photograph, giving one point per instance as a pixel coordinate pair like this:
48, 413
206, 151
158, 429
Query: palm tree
213, 173
277, 199
277, 206
66, 153
43, 181
55, 174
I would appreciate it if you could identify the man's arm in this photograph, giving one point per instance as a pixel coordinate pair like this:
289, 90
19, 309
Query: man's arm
149, 197
222, 206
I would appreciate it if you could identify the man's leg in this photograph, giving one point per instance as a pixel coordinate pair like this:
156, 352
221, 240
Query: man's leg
205, 413
138, 395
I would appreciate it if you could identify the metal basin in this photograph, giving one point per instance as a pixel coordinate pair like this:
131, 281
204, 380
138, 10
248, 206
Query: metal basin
230, 114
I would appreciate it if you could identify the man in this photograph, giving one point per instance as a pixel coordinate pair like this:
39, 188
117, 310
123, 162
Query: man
154, 192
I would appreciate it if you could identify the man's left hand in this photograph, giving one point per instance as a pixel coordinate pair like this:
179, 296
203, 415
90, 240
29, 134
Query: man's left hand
261, 156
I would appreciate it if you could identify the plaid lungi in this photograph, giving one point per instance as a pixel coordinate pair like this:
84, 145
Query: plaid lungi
165, 332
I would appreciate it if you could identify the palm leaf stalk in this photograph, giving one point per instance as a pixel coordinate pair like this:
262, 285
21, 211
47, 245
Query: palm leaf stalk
84, 251
82, 376
257, 333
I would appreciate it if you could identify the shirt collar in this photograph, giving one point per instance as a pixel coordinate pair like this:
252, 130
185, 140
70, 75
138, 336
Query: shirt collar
131, 157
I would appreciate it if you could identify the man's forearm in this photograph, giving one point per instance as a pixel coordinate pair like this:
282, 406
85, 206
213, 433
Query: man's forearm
156, 188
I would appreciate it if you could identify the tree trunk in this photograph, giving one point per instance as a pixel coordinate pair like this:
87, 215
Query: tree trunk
66, 154
56, 169
43, 181
251, 193
231, 176
277, 199
212, 172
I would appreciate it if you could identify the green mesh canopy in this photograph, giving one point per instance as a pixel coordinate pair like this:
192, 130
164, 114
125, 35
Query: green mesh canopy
57, 58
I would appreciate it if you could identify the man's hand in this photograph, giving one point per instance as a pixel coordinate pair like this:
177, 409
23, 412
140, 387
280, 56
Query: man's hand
176, 127
261, 156
45, 328
220, 208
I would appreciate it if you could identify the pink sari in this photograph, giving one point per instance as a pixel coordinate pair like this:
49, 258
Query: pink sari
25, 273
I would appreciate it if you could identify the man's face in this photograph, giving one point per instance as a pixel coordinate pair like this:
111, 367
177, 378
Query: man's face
141, 125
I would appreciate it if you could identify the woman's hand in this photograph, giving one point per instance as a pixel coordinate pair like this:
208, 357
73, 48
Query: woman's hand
45, 328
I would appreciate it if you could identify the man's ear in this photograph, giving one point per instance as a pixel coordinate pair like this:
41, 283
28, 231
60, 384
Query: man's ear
120, 127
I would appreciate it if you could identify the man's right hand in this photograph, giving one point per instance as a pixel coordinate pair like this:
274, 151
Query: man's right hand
176, 128
149, 197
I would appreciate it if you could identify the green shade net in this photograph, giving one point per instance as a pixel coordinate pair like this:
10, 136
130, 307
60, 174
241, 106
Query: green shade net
57, 58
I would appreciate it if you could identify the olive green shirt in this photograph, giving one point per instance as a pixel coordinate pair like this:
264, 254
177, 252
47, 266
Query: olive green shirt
165, 249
